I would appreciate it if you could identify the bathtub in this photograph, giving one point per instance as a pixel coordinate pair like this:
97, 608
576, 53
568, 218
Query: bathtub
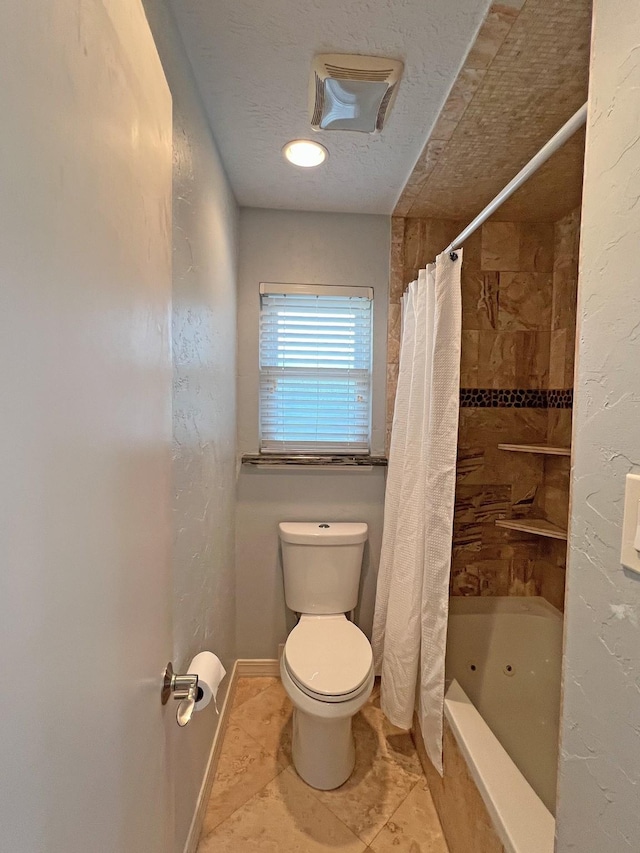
502, 709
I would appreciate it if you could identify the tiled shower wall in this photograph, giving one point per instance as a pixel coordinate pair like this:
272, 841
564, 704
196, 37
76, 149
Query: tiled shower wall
519, 298
554, 495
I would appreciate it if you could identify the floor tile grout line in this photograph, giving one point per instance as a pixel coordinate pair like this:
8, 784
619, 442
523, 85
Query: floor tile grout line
293, 770
254, 740
369, 843
390, 818
422, 778
302, 782
236, 708
252, 698
290, 767
253, 737
327, 806
242, 805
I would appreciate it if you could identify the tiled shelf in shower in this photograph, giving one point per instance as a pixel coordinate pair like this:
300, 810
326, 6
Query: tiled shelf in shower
535, 526
546, 449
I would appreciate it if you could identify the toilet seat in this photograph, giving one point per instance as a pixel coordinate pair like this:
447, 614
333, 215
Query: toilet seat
328, 658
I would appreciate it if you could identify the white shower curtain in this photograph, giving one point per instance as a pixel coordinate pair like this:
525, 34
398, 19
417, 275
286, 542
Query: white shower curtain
412, 601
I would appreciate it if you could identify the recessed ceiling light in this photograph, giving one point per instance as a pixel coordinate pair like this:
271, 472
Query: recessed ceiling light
303, 152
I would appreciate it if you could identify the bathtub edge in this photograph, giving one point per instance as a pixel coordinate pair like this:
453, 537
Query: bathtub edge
521, 820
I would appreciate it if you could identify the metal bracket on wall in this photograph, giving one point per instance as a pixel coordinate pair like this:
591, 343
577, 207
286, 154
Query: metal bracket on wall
183, 688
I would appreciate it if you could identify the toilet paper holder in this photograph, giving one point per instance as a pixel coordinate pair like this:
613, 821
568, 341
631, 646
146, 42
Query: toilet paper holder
184, 688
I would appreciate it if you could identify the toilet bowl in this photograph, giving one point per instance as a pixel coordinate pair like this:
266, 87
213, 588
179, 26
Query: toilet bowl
327, 663
327, 672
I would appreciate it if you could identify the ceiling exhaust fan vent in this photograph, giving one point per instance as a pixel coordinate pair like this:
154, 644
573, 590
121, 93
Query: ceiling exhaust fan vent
352, 92
318, 101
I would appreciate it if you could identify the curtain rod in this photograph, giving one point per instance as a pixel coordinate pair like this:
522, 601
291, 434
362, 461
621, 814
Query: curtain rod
576, 121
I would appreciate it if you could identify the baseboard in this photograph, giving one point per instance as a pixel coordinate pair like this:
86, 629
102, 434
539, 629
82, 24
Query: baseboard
210, 774
254, 668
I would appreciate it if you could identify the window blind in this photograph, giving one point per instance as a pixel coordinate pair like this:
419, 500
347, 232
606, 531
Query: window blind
315, 369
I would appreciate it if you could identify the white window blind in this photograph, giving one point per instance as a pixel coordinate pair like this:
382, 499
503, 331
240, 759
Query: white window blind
315, 369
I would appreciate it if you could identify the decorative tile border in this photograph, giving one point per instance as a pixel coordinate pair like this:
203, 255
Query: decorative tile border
561, 399
515, 398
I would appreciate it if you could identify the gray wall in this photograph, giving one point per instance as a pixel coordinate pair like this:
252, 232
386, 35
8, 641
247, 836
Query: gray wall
204, 411
599, 782
308, 248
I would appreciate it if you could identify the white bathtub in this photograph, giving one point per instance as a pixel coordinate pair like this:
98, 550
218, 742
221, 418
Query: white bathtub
503, 705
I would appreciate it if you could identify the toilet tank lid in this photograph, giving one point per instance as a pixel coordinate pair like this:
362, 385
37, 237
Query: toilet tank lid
323, 532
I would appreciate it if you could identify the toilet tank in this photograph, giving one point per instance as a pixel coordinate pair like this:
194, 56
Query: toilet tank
322, 562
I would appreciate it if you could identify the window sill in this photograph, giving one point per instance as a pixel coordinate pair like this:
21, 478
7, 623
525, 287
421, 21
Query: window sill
277, 460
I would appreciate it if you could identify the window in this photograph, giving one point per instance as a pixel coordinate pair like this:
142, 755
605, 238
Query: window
315, 369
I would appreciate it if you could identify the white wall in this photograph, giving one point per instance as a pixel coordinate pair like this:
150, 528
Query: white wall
599, 781
308, 248
204, 413
85, 271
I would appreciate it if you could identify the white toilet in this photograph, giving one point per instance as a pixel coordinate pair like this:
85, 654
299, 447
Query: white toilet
327, 663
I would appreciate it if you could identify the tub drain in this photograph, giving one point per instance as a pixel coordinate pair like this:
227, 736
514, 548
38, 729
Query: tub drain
509, 670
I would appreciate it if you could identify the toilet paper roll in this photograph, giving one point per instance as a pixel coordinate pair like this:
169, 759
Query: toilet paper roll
210, 672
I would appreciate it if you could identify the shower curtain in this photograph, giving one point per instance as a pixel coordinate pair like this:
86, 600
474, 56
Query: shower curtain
412, 600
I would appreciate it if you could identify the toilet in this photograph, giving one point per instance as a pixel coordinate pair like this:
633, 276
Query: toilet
327, 663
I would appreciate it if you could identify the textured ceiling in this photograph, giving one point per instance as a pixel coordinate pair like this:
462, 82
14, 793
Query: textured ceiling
252, 59
524, 77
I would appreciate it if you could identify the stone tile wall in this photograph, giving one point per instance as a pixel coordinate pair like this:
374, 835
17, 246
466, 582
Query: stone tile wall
554, 493
518, 297
526, 73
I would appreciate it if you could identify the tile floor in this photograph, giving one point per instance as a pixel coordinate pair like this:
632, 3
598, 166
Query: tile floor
259, 803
